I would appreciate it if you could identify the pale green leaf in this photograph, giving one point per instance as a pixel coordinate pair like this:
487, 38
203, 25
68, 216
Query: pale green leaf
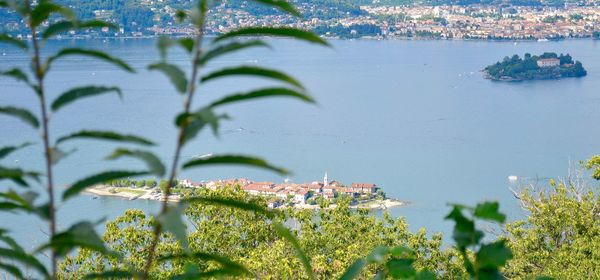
22, 114
5, 151
354, 270
99, 178
288, 32
229, 48
262, 93
91, 53
24, 259
282, 5
154, 164
66, 25
174, 73
253, 71
105, 135
172, 222
234, 160
287, 235
81, 92
4, 38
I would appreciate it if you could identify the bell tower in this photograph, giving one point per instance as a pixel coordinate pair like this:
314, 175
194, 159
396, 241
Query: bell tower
325, 180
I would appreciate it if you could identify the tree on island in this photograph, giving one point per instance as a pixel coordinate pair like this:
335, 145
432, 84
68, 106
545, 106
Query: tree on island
516, 68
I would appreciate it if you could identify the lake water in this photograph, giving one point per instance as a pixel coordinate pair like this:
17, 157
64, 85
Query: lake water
415, 117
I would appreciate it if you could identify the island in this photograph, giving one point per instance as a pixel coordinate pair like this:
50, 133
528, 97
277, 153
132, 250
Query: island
311, 195
543, 67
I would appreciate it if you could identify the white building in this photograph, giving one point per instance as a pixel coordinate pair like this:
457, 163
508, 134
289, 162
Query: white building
548, 62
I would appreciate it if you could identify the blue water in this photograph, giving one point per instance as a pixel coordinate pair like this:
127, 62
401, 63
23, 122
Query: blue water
415, 117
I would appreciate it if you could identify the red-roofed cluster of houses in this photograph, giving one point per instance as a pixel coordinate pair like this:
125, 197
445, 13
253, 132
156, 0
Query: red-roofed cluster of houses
299, 193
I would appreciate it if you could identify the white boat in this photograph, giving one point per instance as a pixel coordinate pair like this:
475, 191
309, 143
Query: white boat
542, 40
513, 178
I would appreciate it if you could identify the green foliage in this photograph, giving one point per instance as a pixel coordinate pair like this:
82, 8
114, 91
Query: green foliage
22, 114
102, 177
594, 164
77, 93
105, 135
230, 222
489, 258
560, 237
234, 160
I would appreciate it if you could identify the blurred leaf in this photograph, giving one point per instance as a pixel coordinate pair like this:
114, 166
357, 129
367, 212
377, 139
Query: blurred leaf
289, 32
57, 154
22, 114
187, 44
105, 135
261, 93
171, 221
425, 275
43, 211
229, 48
180, 15
253, 71
378, 254
154, 164
354, 270
44, 9
464, 232
90, 53
79, 235
16, 201
234, 160
400, 268
11, 242
103, 177
196, 121
16, 74
111, 274
489, 211
4, 38
5, 151
287, 235
66, 25
24, 259
16, 175
174, 73
13, 270
232, 203
232, 267
163, 44
402, 252
282, 5
80, 92
494, 255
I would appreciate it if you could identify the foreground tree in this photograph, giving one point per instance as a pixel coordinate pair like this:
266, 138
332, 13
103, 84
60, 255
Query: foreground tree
561, 235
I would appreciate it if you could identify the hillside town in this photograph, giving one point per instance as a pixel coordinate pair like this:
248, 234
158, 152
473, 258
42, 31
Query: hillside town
346, 20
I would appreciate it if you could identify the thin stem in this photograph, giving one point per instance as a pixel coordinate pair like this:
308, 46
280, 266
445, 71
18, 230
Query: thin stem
39, 75
180, 141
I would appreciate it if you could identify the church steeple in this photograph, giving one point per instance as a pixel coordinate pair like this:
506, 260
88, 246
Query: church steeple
325, 180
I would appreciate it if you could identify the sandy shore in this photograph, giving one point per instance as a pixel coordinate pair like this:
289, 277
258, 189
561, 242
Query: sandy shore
154, 194
130, 193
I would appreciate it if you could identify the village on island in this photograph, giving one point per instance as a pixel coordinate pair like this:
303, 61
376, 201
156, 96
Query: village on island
287, 194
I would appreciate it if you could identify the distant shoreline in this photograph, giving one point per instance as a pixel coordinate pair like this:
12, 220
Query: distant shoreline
152, 194
366, 38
